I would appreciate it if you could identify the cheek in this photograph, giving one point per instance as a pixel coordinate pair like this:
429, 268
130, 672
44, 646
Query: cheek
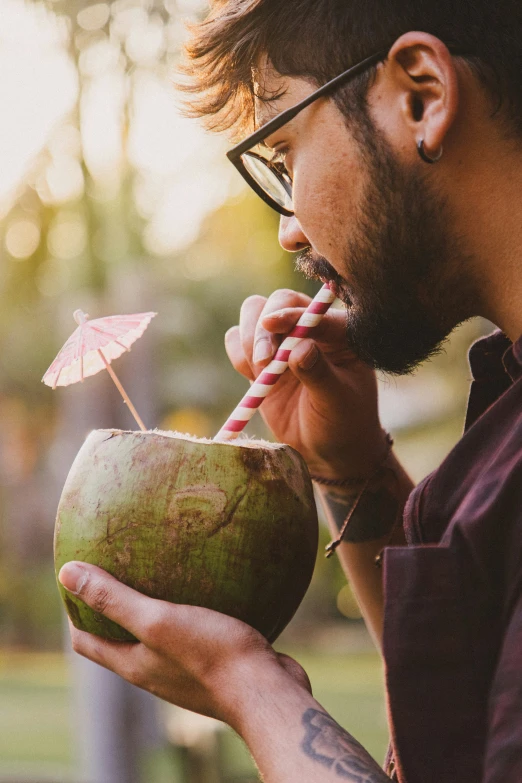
326, 198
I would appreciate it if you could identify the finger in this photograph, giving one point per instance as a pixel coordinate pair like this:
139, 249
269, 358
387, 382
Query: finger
251, 310
106, 595
282, 321
313, 369
265, 344
119, 657
236, 354
330, 329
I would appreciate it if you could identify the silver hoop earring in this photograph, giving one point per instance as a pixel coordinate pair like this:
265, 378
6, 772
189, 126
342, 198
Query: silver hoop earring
424, 155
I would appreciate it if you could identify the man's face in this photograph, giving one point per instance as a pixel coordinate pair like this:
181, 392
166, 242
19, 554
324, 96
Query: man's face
375, 228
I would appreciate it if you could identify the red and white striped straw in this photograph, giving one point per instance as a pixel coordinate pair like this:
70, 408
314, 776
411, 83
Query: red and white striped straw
266, 381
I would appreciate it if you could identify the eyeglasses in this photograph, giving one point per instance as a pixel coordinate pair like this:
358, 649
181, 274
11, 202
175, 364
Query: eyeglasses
260, 166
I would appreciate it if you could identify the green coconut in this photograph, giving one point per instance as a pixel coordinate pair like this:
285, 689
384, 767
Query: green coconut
228, 526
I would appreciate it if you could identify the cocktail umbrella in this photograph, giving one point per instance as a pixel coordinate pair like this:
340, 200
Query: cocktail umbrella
93, 346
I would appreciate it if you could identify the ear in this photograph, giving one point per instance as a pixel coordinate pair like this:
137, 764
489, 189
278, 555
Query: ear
426, 83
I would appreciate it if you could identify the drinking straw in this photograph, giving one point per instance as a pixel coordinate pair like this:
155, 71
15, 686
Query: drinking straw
273, 371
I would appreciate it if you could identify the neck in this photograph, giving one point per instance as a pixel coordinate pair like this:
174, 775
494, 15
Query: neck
491, 212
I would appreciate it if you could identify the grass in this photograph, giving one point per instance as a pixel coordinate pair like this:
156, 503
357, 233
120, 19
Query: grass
35, 736
36, 740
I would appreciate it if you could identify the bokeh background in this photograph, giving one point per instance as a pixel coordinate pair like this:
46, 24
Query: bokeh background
112, 201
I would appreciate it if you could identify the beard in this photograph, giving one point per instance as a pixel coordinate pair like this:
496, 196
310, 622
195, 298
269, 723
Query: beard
407, 289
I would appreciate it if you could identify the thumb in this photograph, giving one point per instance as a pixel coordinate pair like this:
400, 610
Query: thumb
309, 364
105, 595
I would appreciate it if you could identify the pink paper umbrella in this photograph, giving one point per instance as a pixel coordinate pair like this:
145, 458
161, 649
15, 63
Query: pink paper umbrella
93, 346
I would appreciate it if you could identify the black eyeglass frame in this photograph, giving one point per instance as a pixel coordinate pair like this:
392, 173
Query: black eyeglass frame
234, 155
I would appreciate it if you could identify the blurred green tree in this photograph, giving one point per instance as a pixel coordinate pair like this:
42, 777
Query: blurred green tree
121, 205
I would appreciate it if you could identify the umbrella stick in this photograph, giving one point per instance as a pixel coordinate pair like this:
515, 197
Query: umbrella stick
123, 392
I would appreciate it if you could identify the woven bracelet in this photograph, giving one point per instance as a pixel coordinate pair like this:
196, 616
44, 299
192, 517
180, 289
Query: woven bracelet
351, 482
332, 546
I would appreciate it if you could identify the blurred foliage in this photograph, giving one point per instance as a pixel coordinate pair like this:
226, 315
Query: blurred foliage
84, 225
122, 205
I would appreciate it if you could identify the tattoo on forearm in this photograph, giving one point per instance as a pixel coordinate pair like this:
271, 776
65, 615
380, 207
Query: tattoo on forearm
376, 512
328, 744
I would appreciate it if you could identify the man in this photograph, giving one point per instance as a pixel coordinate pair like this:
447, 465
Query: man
400, 184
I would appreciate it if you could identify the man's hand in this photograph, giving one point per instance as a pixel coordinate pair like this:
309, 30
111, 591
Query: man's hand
325, 406
212, 664
190, 656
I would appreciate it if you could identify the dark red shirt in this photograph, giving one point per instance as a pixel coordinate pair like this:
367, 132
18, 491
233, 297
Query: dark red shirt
453, 597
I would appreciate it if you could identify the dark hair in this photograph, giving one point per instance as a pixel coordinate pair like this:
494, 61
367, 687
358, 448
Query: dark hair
317, 39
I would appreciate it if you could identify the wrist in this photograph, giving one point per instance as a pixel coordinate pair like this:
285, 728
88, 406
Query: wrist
354, 484
353, 463
370, 511
261, 687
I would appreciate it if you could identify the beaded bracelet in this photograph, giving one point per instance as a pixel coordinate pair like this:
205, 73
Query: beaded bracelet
332, 546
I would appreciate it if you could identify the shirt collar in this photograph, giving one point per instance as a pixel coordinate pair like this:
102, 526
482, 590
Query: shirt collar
513, 360
496, 356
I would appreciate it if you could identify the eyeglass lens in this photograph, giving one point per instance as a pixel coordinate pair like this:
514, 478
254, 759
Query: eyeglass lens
276, 185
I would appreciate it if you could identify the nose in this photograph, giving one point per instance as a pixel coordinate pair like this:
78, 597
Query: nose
291, 235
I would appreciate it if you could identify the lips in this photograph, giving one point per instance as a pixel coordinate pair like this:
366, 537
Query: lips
334, 287
318, 268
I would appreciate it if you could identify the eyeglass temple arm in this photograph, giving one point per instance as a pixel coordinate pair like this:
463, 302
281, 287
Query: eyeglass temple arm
287, 115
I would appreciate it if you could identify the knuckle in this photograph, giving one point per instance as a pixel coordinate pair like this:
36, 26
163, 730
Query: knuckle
133, 674
154, 630
283, 296
243, 367
255, 300
100, 598
76, 644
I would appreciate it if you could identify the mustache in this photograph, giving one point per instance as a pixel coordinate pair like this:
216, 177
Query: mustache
317, 267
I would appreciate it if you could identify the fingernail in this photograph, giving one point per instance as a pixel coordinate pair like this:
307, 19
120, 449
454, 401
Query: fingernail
73, 577
262, 350
275, 314
310, 359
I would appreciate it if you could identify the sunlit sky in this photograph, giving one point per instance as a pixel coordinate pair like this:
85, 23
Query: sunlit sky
183, 173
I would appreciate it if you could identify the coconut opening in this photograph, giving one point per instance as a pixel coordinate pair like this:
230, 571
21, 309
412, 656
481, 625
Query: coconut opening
243, 440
